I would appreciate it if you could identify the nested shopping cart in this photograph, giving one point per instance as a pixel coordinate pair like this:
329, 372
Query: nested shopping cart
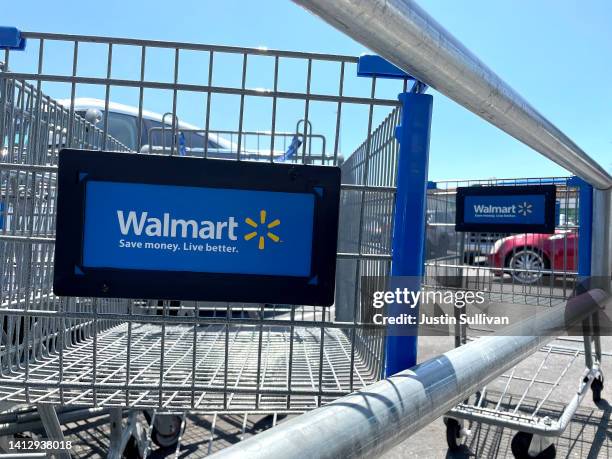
527, 274
166, 357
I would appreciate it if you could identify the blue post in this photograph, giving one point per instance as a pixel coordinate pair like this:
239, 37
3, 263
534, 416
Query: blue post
585, 220
409, 225
410, 205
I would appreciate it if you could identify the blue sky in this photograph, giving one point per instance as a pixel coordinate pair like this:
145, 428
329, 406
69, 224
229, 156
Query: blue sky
556, 53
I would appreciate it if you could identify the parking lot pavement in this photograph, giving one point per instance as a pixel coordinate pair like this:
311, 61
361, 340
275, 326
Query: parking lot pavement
589, 435
204, 434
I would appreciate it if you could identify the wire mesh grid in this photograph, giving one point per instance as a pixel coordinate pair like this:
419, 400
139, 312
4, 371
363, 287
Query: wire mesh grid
206, 386
522, 397
187, 355
534, 269
254, 144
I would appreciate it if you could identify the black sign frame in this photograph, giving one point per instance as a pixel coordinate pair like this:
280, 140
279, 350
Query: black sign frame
548, 191
72, 279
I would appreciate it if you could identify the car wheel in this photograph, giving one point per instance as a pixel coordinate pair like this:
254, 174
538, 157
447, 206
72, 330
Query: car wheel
527, 266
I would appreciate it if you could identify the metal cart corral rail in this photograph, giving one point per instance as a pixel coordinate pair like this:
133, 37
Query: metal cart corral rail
521, 271
168, 356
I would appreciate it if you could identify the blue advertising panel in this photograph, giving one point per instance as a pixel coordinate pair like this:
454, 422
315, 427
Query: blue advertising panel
171, 228
507, 209
145, 226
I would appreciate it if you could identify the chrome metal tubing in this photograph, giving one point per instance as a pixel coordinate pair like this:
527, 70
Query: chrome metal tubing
373, 420
601, 261
404, 34
552, 428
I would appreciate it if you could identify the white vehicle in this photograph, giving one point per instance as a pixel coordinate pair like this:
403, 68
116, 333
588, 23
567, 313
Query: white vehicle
154, 133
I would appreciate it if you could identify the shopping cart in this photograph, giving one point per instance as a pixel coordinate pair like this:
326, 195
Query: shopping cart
518, 399
166, 357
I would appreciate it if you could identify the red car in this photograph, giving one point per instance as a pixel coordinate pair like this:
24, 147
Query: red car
527, 257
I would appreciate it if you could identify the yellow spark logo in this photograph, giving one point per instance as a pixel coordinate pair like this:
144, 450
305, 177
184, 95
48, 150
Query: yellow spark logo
264, 228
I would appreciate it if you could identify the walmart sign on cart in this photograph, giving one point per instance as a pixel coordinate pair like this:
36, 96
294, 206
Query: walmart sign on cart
506, 209
142, 226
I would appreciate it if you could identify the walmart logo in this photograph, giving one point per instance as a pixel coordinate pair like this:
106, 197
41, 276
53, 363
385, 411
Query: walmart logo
525, 209
143, 224
262, 230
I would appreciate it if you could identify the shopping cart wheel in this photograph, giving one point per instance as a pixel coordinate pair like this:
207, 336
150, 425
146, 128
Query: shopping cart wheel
520, 448
166, 433
453, 434
483, 403
131, 450
166, 430
597, 387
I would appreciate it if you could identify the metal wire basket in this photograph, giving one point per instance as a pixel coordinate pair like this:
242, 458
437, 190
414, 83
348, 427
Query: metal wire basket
189, 355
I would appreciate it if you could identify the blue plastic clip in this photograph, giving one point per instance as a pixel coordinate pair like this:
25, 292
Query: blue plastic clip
296, 143
10, 38
182, 149
371, 65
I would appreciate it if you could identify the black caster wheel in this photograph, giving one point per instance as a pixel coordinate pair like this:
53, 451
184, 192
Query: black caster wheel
453, 434
131, 450
166, 434
166, 430
477, 396
596, 387
520, 448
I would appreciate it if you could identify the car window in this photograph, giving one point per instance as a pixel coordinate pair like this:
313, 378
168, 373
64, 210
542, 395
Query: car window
123, 128
120, 126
